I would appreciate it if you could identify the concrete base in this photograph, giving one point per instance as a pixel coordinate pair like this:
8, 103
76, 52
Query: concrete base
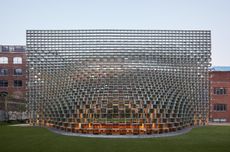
180, 132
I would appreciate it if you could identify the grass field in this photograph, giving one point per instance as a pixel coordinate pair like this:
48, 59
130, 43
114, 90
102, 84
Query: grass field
29, 139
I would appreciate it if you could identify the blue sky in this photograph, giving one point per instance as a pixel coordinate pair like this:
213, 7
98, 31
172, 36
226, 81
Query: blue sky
18, 15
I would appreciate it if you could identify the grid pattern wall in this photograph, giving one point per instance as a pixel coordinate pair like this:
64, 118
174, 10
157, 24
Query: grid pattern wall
118, 81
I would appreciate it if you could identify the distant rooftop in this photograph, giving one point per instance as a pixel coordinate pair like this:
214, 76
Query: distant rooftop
220, 68
12, 48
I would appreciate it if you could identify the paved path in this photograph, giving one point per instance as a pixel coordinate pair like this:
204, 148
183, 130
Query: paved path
180, 132
218, 124
21, 125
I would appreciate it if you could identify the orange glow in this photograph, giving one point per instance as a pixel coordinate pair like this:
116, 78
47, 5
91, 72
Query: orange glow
142, 126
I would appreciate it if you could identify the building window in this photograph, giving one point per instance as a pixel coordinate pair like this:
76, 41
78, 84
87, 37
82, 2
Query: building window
17, 83
3, 60
3, 72
3, 83
220, 107
17, 60
219, 91
17, 71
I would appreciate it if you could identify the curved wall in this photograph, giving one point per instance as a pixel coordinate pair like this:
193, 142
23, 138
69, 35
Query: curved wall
118, 81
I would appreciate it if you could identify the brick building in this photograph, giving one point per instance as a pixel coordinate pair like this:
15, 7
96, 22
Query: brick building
220, 94
12, 78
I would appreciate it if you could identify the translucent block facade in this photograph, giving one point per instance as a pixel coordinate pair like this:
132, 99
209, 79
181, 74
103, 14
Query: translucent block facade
118, 81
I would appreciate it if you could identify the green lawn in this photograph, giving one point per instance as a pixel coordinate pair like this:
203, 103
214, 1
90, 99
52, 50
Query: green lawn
210, 139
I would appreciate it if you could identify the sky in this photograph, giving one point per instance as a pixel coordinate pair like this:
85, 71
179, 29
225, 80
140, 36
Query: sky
16, 16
